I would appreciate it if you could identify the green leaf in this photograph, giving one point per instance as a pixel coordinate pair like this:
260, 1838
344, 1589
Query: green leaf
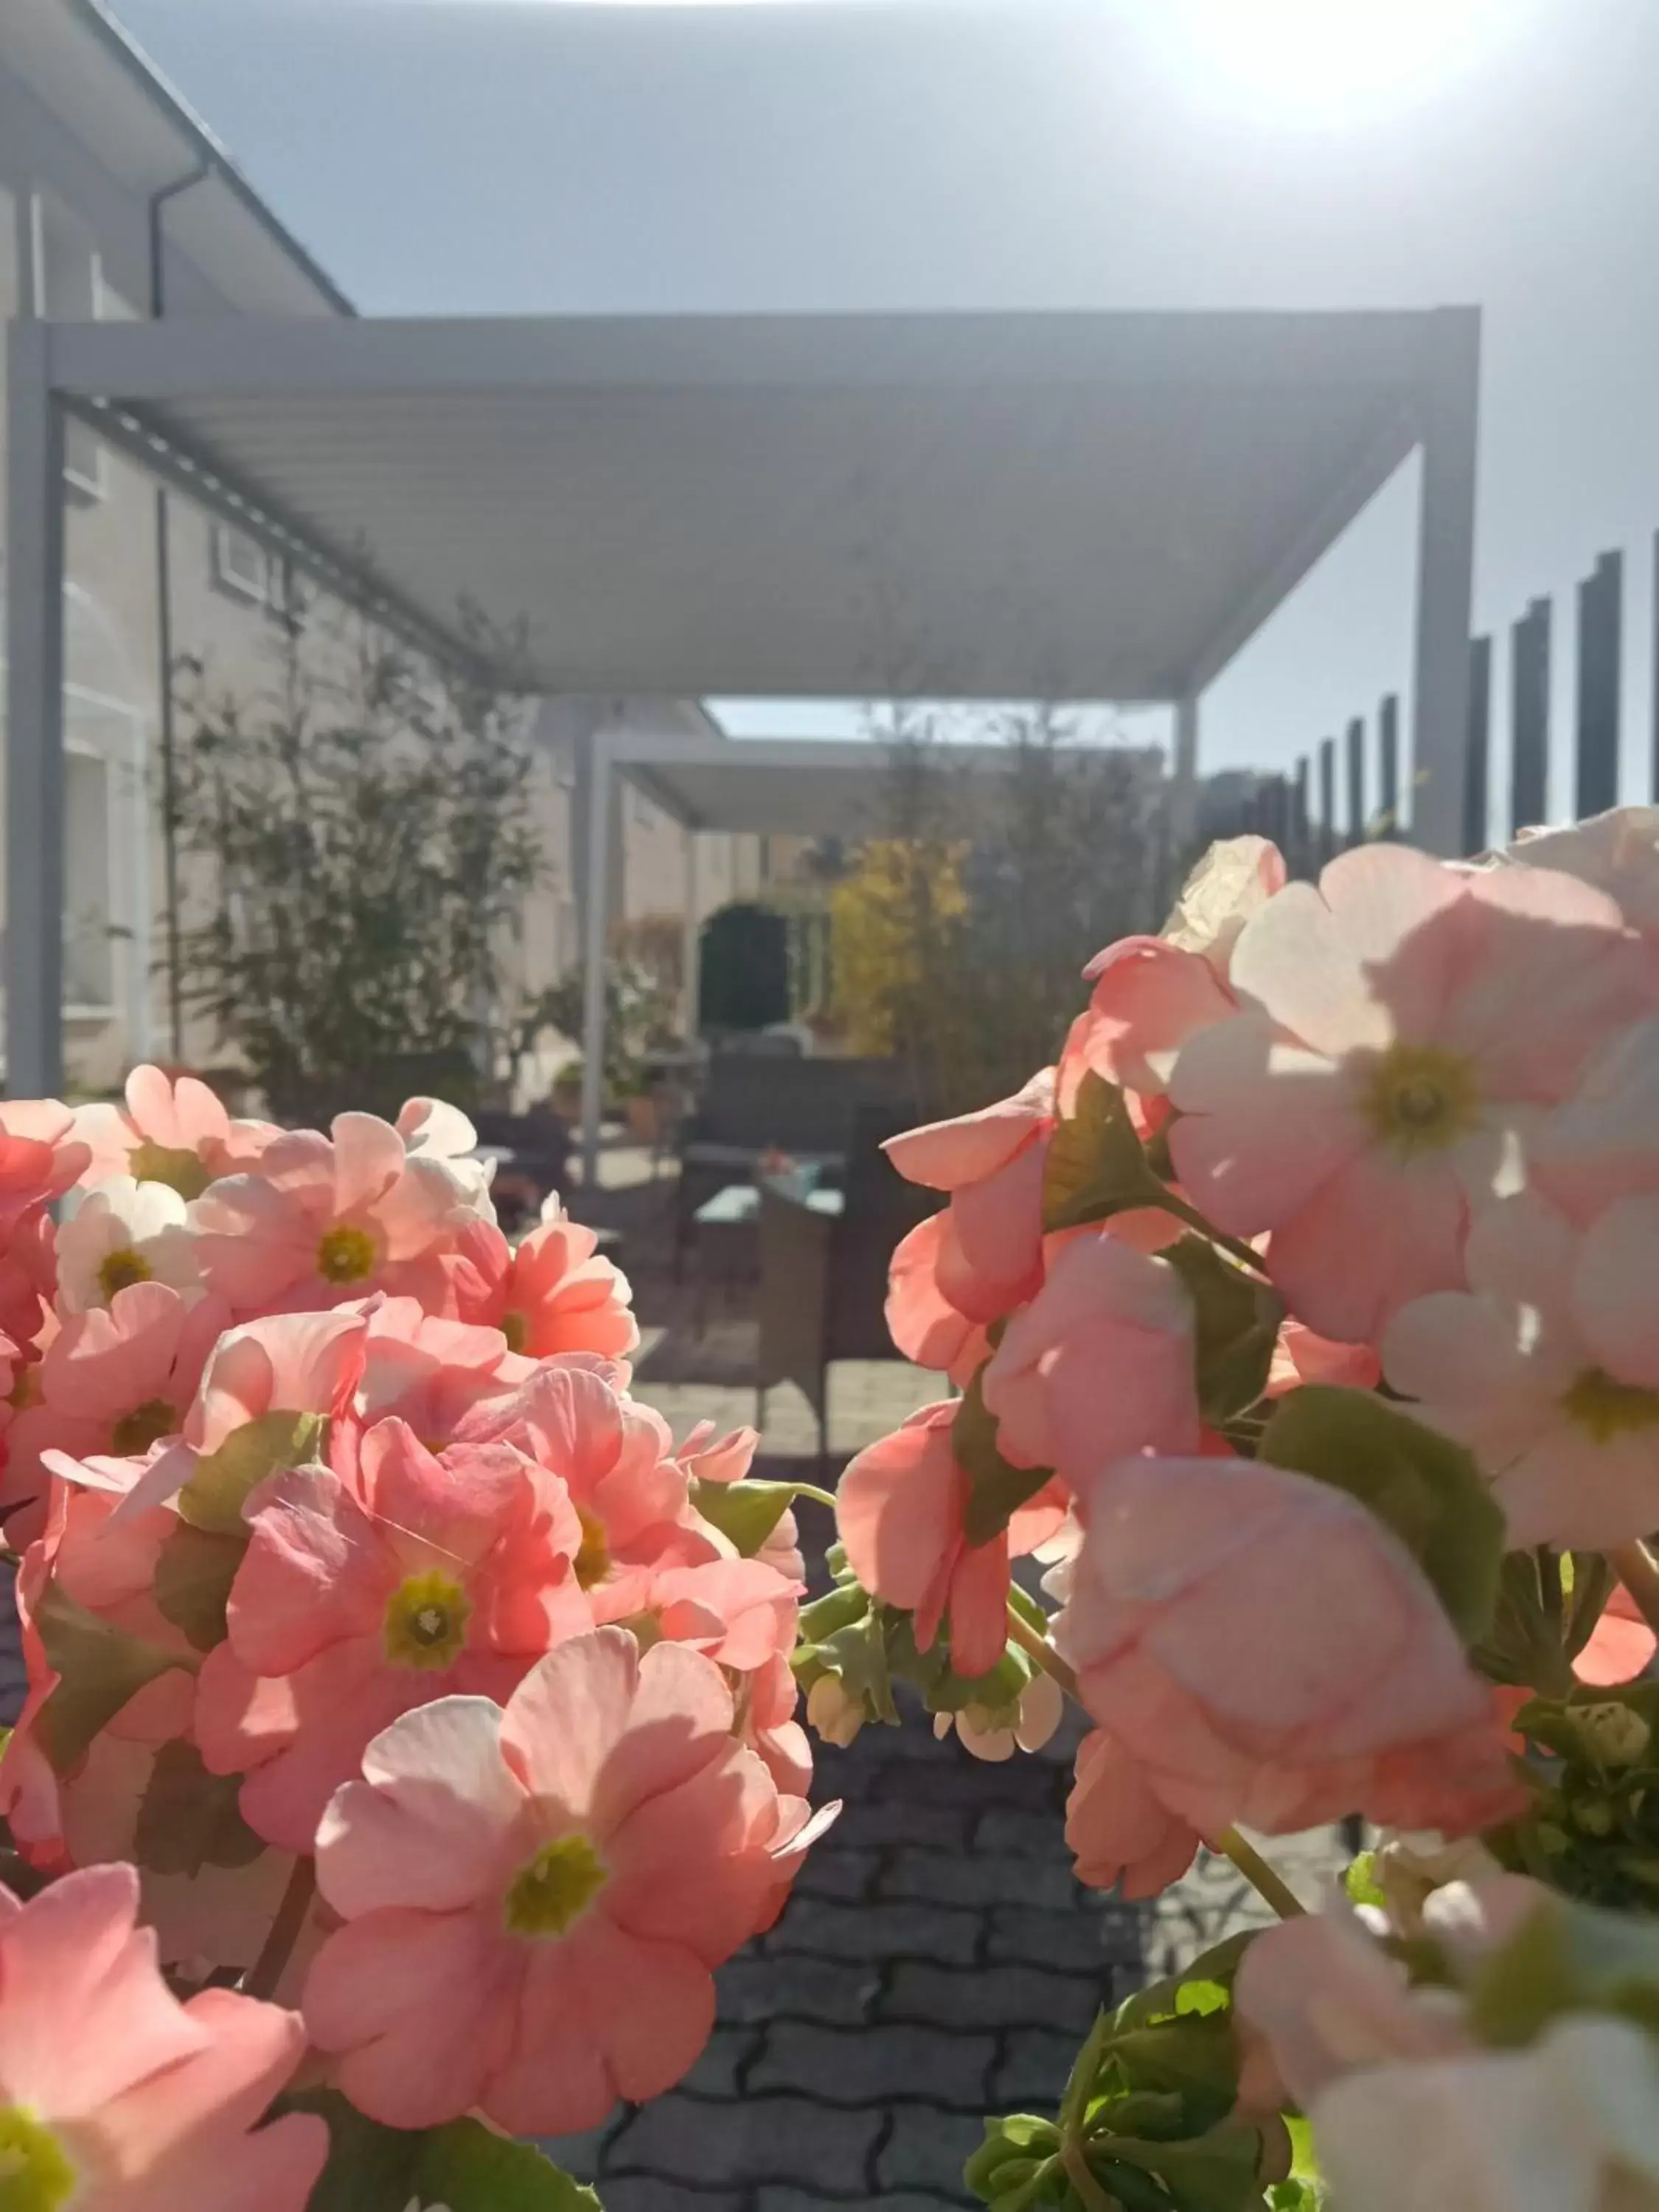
213, 1497
1194, 2057
996, 1490
1426, 1488
1359, 1883
189, 1819
1214, 1969
747, 1512
99, 1669
1216, 2172
462, 2166
1013, 2155
1096, 1165
1237, 1324
193, 1575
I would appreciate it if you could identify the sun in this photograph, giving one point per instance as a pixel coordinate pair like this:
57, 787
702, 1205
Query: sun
1326, 63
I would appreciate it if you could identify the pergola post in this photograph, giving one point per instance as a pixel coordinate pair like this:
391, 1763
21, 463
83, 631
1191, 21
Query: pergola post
595, 946
690, 942
1445, 581
36, 864
1184, 791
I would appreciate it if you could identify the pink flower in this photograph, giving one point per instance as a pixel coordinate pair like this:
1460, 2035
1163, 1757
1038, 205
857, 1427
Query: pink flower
322, 1220
1547, 1368
1233, 881
1269, 1652
1149, 999
988, 1257
557, 1293
124, 1232
1621, 1644
1328, 1999
1617, 852
430, 1372
118, 2097
899, 1510
615, 1458
170, 1131
1603, 1142
1119, 1832
533, 1898
113, 1380
1301, 1357
1406, 1020
707, 1457
446, 1574
1099, 1364
921, 1320
41, 1157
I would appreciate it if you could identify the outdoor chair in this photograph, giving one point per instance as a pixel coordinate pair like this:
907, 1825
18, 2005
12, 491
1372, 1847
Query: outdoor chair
759, 1104
823, 1275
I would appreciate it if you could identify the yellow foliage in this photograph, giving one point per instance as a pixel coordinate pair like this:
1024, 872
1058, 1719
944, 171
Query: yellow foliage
888, 920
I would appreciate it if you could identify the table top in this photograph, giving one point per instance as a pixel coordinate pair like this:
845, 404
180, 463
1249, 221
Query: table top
739, 1203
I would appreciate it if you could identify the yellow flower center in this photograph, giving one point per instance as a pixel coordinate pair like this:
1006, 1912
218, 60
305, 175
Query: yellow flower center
169, 1164
555, 1888
35, 2172
1598, 1402
1420, 1098
120, 1269
594, 1559
345, 1254
426, 1619
516, 1330
145, 1425
26, 1390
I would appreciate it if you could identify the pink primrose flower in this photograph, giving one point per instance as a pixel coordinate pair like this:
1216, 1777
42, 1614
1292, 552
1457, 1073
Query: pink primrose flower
1120, 1833
1547, 1368
899, 1510
533, 1898
988, 1255
1404, 1023
171, 1131
1269, 1653
437, 1575
558, 1293
321, 1220
1099, 1364
118, 2098
922, 1321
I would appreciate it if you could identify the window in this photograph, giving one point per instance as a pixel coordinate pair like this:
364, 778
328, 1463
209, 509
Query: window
69, 282
241, 564
89, 965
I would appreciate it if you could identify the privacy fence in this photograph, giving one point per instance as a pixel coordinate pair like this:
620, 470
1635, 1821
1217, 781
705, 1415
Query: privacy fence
1351, 789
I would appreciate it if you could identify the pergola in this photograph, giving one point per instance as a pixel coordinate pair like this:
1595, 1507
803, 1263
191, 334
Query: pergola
1084, 507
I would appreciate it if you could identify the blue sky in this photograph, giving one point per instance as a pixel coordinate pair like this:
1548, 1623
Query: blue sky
525, 155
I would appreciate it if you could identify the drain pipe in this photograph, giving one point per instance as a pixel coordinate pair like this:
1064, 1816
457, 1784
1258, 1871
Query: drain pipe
158, 201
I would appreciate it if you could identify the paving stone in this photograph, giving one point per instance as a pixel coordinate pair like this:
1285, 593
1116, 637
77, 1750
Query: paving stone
649, 2192
828, 1872
712, 2146
868, 2065
1025, 1935
1039, 1835
903, 2200
907, 1821
579, 2155
1031, 2073
994, 1996
975, 1785
755, 1988
716, 2073
927, 2148
879, 1931
983, 1878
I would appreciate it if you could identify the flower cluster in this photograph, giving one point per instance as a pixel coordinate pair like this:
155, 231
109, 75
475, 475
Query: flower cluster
1304, 1317
384, 1651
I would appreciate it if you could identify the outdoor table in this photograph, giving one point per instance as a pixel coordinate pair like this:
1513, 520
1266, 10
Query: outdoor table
727, 1231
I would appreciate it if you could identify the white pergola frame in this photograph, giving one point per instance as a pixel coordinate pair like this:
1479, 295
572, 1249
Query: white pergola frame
121, 377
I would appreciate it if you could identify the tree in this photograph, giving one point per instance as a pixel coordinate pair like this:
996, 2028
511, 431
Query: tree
956, 936
365, 827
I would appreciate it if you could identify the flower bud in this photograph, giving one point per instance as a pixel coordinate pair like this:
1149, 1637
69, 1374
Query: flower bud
836, 1715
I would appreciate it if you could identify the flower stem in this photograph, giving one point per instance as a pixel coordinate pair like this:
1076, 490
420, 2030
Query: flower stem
819, 1496
1243, 1252
266, 1970
1039, 1647
1634, 1565
1089, 2191
1265, 1880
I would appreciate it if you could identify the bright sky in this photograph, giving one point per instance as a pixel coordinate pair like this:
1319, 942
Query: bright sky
503, 155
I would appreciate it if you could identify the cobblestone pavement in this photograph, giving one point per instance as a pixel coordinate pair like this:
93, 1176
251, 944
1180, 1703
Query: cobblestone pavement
936, 1962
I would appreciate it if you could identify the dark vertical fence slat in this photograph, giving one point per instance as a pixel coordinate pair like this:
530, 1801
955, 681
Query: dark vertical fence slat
1480, 745
1327, 830
1600, 627
1388, 759
1356, 778
1298, 853
1530, 717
